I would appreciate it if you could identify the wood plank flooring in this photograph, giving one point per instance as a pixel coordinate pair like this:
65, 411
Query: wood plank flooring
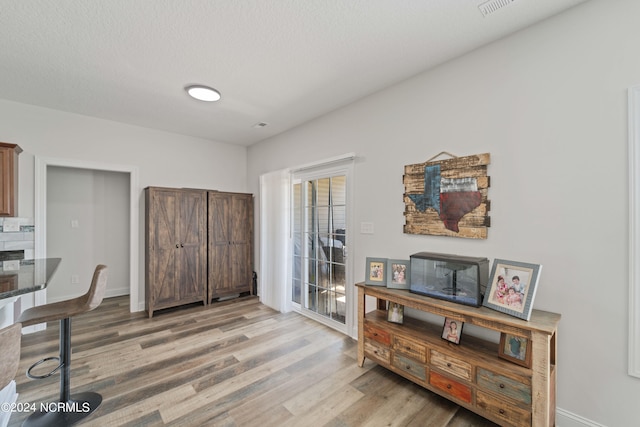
233, 363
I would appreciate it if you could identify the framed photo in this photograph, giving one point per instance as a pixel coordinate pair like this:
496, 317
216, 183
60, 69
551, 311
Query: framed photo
515, 349
398, 272
376, 272
452, 330
395, 312
512, 287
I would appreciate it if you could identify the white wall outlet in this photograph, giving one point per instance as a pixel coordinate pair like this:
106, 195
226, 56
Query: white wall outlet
75, 223
366, 228
75, 279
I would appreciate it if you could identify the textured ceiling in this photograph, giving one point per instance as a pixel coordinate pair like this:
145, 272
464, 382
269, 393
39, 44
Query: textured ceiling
281, 62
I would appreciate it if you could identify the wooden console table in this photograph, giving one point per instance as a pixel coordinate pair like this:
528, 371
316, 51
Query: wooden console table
470, 374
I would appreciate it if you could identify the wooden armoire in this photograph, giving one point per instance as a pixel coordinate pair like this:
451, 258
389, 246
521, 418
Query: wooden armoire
230, 243
176, 247
199, 246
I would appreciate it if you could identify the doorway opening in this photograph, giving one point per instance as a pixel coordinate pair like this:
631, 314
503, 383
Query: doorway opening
42, 169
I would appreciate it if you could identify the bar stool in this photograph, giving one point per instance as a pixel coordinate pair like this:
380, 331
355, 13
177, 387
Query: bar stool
10, 345
69, 409
10, 339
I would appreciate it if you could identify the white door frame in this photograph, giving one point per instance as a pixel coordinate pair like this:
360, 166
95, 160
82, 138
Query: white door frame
634, 231
326, 169
40, 219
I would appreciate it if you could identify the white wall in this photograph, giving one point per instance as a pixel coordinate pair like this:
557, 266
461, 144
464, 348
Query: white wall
162, 158
549, 104
98, 203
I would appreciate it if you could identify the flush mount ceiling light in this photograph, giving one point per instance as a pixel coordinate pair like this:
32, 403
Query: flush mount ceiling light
203, 93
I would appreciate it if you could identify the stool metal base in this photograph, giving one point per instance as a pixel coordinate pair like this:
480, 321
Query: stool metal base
69, 409
63, 414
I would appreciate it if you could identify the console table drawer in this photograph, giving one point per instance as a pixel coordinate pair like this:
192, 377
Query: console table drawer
451, 387
377, 334
410, 366
518, 390
377, 351
452, 365
503, 410
471, 374
410, 348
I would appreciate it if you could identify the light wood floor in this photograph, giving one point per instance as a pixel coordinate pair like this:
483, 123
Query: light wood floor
234, 363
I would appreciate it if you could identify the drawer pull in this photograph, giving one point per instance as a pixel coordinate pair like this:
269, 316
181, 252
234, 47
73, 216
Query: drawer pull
407, 348
448, 365
449, 386
501, 385
501, 411
408, 368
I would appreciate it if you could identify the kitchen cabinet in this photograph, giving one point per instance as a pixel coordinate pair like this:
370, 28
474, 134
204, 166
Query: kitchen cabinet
9, 179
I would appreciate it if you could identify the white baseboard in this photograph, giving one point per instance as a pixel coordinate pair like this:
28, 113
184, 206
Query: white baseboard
110, 293
141, 306
569, 419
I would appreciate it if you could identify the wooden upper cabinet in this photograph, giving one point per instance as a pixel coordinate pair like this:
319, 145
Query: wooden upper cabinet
9, 179
230, 226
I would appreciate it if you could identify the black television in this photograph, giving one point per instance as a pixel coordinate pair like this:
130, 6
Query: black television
455, 278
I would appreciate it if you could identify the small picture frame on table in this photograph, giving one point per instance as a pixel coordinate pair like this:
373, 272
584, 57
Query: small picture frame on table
515, 349
395, 312
376, 272
452, 330
398, 272
512, 287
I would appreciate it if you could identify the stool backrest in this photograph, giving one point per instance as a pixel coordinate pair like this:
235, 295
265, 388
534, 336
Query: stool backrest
94, 296
10, 345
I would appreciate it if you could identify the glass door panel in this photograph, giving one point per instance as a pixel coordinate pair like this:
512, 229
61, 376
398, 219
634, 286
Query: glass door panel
319, 249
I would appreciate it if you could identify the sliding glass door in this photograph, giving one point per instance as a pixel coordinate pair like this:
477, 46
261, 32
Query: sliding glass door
319, 250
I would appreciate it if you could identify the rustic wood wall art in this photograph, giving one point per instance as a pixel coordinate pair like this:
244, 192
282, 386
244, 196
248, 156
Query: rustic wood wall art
448, 197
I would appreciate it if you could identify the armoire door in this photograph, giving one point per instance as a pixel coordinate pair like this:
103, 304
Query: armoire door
163, 207
241, 231
219, 245
230, 243
192, 236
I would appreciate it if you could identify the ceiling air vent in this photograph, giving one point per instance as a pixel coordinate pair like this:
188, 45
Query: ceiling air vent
491, 6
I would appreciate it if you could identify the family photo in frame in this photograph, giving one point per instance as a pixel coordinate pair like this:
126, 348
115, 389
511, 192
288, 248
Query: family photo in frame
395, 312
512, 287
375, 272
398, 272
515, 349
452, 330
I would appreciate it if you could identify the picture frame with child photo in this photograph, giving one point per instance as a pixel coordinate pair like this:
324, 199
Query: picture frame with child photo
452, 330
512, 287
